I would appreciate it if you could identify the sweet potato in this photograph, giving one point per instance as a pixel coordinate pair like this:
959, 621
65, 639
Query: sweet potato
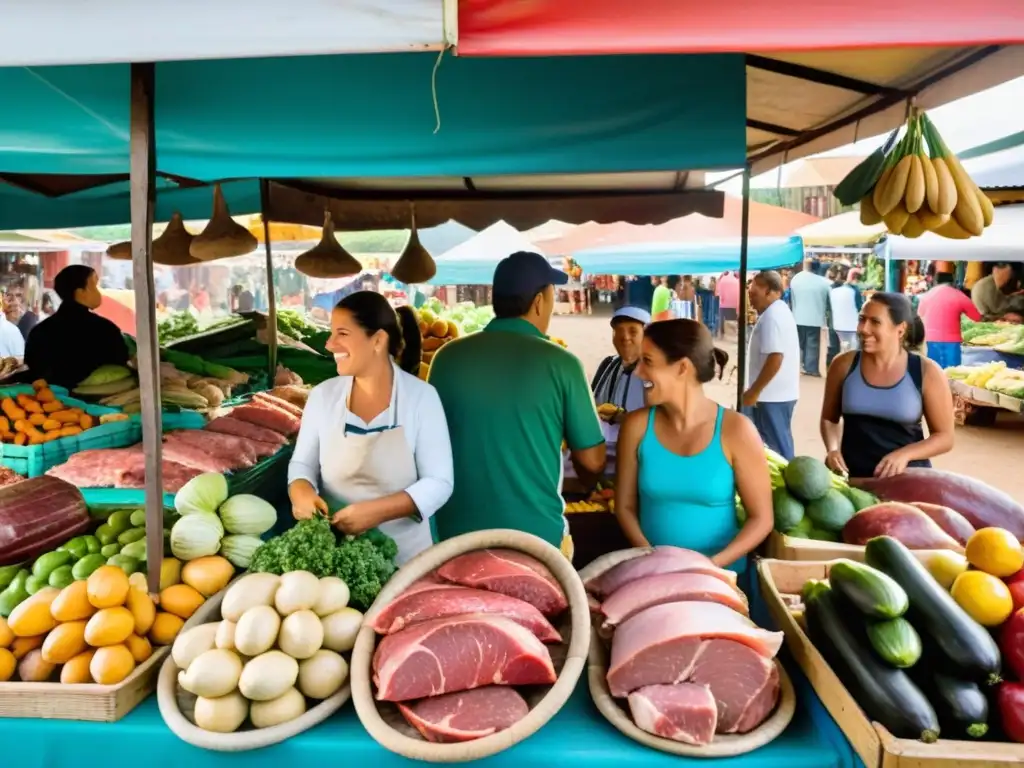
908, 525
45, 395
29, 404
11, 409
949, 520
36, 419
982, 505
53, 407
65, 417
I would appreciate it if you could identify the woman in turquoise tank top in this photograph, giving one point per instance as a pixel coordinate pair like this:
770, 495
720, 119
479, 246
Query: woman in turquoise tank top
682, 460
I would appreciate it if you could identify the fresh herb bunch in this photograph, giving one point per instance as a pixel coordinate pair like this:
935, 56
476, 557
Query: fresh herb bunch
364, 562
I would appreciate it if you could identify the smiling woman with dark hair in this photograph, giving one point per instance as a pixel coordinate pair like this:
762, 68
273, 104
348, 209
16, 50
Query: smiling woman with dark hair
682, 460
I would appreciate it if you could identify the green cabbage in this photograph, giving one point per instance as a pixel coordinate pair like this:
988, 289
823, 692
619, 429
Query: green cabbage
196, 535
247, 514
203, 493
238, 549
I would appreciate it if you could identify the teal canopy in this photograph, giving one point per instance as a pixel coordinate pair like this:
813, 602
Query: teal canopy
698, 258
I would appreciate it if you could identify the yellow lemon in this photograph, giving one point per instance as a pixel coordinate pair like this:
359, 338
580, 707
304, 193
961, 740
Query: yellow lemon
985, 598
995, 551
945, 566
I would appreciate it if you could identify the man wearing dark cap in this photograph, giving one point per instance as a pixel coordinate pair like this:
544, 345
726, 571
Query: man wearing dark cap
511, 397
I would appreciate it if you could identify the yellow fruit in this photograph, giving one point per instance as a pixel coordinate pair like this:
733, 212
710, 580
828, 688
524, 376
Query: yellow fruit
952, 230
7, 665
165, 628
947, 193
138, 581
111, 664
107, 586
968, 208
170, 572
931, 221
181, 600
987, 210
896, 218
72, 604
32, 616
995, 551
439, 328
208, 575
6, 636
140, 648
915, 194
985, 598
76, 671
64, 642
110, 626
945, 566
869, 216
913, 228
931, 185
143, 610
453, 330
34, 669
22, 645
879, 191
424, 371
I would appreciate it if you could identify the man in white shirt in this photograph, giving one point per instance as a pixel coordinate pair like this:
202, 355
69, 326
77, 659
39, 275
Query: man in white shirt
808, 294
12, 343
773, 367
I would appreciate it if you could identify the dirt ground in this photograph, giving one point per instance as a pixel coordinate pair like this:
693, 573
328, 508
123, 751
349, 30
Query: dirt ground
992, 454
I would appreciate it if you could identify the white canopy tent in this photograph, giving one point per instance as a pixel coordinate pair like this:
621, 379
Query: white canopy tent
1003, 241
473, 262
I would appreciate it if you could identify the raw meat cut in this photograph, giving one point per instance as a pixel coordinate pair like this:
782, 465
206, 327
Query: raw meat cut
277, 402
669, 588
661, 560
38, 515
197, 458
228, 425
239, 456
466, 715
174, 476
683, 712
662, 644
949, 520
744, 683
296, 394
457, 654
439, 602
97, 468
269, 417
254, 449
908, 525
509, 572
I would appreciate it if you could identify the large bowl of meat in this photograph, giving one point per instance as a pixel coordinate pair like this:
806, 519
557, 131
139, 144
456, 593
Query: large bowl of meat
471, 647
676, 662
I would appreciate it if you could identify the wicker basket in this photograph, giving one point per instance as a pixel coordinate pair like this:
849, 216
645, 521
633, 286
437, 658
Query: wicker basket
616, 712
88, 701
383, 721
176, 706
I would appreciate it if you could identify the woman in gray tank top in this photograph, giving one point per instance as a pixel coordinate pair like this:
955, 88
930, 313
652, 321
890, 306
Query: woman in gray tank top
882, 393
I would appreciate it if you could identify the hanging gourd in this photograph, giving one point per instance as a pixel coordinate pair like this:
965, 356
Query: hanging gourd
328, 258
120, 251
415, 265
173, 247
223, 237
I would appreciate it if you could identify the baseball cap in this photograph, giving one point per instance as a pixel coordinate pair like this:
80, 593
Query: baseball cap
525, 274
632, 313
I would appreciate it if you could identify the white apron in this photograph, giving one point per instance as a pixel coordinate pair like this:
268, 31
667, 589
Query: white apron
365, 465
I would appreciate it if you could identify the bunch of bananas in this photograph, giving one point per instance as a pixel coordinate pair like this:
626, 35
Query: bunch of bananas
917, 185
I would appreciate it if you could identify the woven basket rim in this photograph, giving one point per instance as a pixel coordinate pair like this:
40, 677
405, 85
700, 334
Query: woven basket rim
552, 702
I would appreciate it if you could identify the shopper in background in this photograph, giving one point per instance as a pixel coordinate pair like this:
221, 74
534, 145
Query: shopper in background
661, 302
684, 301
940, 309
728, 292
682, 461
809, 295
17, 311
12, 343
882, 393
989, 297
773, 365
845, 301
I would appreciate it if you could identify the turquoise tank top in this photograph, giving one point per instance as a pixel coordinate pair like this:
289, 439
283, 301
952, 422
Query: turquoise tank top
687, 501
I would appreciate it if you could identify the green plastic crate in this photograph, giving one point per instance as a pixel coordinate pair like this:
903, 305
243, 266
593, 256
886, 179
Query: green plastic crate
118, 498
174, 420
35, 460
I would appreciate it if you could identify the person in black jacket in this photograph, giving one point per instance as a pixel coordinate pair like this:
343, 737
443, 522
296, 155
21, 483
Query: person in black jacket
73, 342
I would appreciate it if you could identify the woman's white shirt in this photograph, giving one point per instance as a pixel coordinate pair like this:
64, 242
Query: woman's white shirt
420, 415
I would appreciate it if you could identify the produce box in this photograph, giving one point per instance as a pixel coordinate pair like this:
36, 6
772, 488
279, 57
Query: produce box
173, 420
982, 395
783, 547
1014, 404
781, 584
266, 478
35, 460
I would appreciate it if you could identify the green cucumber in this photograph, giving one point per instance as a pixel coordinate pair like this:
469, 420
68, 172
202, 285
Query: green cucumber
15, 593
92, 544
131, 535
77, 547
965, 644
46, 564
109, 550
127, 564
120, 521
84, 567
106, 535
61, 577
896, 641
138, 518
886, 694
873, 593
7, 574
34, 583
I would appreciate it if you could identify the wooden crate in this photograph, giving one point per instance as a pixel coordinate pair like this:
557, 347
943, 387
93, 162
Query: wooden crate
782, 547
878, 748
100, 703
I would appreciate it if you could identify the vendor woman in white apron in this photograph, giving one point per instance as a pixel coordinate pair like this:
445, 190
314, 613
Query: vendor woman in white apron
615, 381
373, 450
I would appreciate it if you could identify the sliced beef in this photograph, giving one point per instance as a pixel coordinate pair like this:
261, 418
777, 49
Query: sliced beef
744, 683
237, 452
661, 560
683, 712
229, 425
663, 644
436, 602
269, 417
174, 475
908, 525
231, 444
196, 458
466, 715
458, 654
510, 573
649, 591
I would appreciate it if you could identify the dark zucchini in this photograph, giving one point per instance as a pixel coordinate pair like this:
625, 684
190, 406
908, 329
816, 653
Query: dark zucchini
885, 693
965, 644
896, 641
874, 593
961, 705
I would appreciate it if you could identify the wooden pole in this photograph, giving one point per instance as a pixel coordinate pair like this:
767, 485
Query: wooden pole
271, 293
741, 320
143, 201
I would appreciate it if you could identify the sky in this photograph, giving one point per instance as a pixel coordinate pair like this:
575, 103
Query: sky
964, 124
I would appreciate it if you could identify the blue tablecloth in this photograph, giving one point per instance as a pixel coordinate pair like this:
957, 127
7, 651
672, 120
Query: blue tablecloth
972, 355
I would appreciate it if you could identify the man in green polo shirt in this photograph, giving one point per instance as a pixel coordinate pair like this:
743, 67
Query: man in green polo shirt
511, 397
